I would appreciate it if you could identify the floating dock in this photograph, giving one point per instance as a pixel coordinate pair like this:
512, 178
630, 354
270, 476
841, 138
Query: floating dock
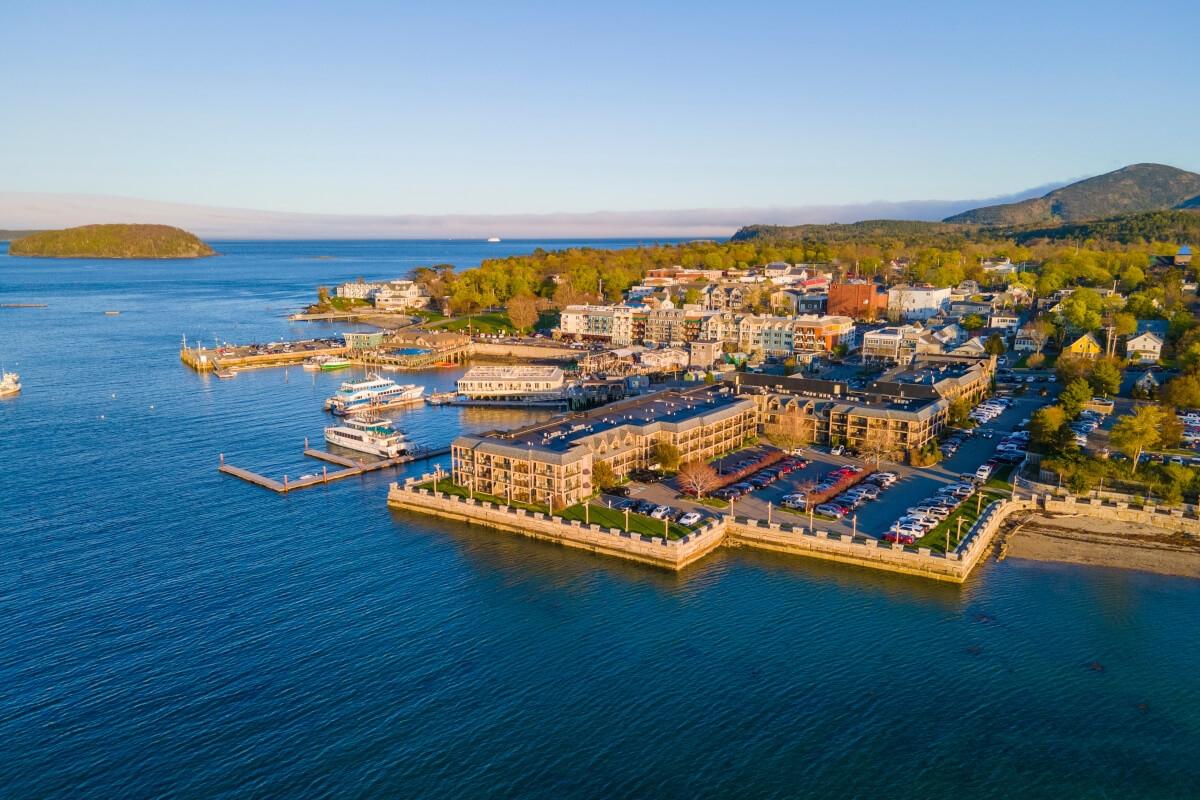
350, 468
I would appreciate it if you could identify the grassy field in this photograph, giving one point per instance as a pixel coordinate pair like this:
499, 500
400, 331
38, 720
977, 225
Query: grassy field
596, 514
936, 539
490, 323
612, 518
1000, 482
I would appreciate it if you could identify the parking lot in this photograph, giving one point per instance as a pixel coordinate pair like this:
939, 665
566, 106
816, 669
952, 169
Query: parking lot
873, 518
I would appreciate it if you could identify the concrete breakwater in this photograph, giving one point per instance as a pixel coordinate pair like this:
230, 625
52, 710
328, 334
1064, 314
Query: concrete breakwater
677, 554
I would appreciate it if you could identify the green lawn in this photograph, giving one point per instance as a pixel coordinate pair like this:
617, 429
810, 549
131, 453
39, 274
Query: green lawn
936, 539
612, 518
711, 502
597, 514
1001, 480
491, 322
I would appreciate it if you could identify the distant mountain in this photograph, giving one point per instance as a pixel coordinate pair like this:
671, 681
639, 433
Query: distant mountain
848, 233
7, 236
112, 241
1129, 190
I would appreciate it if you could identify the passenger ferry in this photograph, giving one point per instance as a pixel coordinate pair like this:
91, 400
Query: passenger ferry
374, 393
374, 436
10, 384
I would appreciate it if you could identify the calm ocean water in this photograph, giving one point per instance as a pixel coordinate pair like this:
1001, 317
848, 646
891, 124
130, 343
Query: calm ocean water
166, 631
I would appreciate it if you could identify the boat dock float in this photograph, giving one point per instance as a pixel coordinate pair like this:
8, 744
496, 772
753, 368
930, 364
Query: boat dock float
351, 467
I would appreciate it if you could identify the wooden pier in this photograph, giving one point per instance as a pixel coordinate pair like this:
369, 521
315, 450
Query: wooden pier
350, 468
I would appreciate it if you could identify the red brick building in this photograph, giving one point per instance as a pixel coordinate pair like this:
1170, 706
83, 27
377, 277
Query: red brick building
862, 301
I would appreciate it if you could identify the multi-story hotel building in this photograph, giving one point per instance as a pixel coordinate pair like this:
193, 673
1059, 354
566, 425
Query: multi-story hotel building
554, 462
905, 413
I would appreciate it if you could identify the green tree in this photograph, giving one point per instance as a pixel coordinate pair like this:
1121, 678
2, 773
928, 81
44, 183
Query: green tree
1045, 424
1071, 368
667, 455
1132, 278
995, 345
603, 475
1125, 324
1105, 378
1082, 309
1136, 432
692, 296
1074, 397
973, 322
1182, 392
959, 411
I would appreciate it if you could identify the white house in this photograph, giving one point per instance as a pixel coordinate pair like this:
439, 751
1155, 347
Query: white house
917, 302
400, 295
1145, 348
1003, 320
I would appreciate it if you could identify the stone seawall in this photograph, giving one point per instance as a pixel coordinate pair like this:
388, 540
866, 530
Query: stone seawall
674, 554
1173, 519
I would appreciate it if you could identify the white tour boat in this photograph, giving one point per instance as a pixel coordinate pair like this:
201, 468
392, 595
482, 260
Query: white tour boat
374, 436
373, 394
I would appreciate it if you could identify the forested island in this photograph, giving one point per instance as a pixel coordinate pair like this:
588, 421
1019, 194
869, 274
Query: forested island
112, 241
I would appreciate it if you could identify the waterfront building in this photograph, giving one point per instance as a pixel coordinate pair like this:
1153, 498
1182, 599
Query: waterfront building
401, 296
363, 340
555, 461
665, 360
358, 290
512, 383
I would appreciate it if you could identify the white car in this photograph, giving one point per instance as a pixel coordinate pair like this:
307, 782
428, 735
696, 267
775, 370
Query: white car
983, 473
691, 518
661, 512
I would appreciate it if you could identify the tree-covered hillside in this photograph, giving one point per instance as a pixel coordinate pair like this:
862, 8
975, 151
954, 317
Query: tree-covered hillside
112, 241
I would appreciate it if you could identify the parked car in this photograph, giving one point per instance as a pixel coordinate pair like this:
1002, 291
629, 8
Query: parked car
830, 510
900, 536
837, 451
662, 512
691, 518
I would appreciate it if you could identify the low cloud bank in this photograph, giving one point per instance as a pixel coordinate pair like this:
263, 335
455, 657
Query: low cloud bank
23, 210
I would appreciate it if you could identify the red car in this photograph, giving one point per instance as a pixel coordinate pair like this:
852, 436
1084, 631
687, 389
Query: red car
902, 538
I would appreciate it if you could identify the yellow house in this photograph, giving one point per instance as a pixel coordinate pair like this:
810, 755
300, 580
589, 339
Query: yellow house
1085, 346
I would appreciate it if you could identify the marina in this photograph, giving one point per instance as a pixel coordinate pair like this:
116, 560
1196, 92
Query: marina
351, 468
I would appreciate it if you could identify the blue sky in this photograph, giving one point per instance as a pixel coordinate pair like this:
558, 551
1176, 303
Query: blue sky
436, 108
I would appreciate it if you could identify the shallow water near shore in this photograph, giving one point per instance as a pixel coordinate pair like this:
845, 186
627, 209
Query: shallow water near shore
170, 631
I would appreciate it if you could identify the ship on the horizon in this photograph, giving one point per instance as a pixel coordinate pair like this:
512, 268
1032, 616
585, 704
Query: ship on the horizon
493, 238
